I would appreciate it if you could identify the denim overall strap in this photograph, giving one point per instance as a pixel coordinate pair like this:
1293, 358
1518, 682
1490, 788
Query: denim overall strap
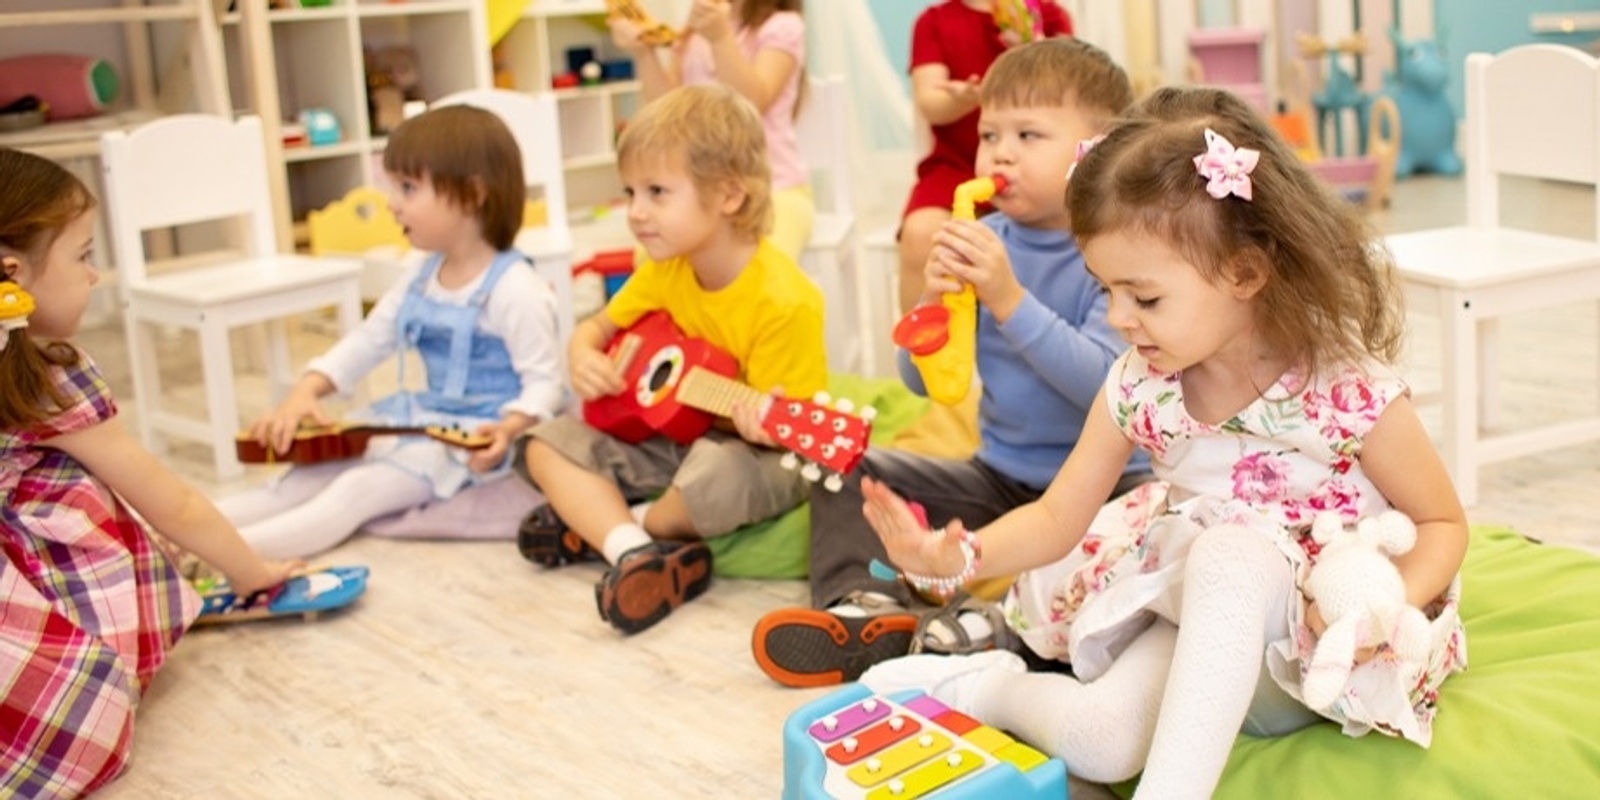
455, 382
407, 331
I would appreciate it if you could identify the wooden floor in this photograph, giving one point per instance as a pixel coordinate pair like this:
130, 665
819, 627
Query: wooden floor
467, 673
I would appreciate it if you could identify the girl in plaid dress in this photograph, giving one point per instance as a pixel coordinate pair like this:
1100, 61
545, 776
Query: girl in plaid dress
89, 604
1263, 323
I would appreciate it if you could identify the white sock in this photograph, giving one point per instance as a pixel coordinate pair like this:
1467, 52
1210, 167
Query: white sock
853, 607
639, 510
974, 623
623, 538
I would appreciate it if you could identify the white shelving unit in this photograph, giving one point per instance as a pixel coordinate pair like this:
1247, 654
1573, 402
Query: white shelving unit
314, 58
534, 51
167, 54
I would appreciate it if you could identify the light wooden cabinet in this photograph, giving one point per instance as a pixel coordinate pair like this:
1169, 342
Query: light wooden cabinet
314, 58
535, 51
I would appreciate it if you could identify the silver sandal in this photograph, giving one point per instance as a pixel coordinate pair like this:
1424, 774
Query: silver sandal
949, 617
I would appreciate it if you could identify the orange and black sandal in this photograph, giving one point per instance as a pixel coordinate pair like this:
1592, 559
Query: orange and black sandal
545, 540
804, 647
651, 580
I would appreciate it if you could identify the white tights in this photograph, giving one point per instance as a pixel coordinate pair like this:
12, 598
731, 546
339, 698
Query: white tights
1175, 699
313, 508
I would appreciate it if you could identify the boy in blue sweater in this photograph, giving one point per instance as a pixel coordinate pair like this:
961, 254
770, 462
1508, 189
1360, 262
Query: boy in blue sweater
1043, 349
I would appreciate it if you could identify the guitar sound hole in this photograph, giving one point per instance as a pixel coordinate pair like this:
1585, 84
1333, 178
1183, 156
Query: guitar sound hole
659, 376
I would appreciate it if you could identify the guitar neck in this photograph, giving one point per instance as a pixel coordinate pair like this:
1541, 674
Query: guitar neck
715, 394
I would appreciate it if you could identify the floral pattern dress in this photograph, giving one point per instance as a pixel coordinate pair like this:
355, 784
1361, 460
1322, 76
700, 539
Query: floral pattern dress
89, 607
1288, 457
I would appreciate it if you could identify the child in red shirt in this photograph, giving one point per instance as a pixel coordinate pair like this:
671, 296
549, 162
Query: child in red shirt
952, 45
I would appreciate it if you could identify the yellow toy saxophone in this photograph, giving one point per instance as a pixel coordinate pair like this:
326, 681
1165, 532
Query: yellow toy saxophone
943, 339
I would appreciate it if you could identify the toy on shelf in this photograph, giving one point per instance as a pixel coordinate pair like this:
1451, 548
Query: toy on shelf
1417, 83
1229, 58
1019, 21
394, 78
852, 743
321, 126
65, 85
943, 338
1339, 92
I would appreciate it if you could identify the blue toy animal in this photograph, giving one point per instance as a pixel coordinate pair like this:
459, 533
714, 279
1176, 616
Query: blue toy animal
1427, 122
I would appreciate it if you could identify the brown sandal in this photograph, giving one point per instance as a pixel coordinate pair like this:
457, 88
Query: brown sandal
545, 539
651, 580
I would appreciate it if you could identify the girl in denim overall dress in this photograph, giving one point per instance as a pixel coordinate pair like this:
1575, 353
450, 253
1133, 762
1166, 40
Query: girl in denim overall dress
481, 319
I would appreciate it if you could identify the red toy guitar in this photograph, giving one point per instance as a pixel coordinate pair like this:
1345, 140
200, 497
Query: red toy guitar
678, 384
316, 444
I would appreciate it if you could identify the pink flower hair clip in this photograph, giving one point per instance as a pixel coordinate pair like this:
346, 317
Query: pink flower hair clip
1084, 146
1226, 168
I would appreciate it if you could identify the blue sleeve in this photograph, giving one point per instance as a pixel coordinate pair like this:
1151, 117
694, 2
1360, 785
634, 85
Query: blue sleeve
1073, 359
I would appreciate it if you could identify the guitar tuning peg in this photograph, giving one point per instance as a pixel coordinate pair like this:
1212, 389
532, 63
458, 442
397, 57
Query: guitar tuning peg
789, 461
811, 472
822, 398
833, 483
868, 413
845, 404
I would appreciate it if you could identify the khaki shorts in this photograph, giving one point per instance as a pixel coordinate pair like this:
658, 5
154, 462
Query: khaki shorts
725, 481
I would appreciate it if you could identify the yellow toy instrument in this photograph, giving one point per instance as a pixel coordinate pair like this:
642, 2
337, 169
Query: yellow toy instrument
943, 338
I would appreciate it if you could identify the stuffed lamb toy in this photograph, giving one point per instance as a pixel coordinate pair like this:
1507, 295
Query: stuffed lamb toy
1360, 595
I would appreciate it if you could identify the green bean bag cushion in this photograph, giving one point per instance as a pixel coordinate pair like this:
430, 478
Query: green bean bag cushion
781, 547
1522, 722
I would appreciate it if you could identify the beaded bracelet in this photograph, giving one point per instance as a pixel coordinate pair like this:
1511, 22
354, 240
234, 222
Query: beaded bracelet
971, 553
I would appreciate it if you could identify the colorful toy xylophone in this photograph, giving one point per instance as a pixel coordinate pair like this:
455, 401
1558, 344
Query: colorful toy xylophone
855, 744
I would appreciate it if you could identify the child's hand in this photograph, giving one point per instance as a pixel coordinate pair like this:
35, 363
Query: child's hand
264, 575
626, 34
972, 252
275, 430
1317, 624
500, 438
712, 19
747, 419
963, 93
911, 546
593, 373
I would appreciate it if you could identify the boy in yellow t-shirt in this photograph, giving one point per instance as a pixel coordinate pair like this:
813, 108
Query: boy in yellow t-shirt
694, 168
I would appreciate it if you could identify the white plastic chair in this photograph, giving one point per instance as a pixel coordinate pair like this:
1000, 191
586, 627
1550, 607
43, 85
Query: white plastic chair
536, 125
1531, 111
194, 168
830, 254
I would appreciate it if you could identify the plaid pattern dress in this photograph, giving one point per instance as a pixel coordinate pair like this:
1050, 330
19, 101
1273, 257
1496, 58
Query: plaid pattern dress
89, 607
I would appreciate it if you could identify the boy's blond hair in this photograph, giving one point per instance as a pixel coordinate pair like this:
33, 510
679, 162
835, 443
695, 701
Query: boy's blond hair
1058, 71
718, 138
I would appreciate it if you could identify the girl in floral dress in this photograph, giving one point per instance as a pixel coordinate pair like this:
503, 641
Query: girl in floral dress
1263, 323
89, 605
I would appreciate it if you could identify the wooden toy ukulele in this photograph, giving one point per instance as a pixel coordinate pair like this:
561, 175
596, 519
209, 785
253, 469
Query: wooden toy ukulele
333, 442
651, 31
677, 385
